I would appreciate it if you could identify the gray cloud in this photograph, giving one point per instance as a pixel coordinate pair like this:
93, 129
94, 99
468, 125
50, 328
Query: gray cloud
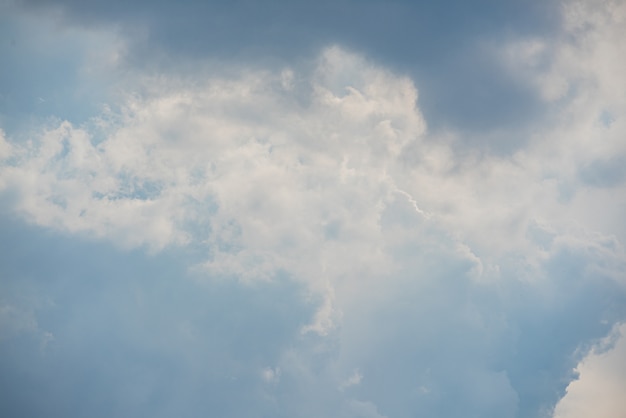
441, 45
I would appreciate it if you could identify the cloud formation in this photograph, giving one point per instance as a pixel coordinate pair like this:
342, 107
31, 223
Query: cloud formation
442, 44
602, 377
418, 274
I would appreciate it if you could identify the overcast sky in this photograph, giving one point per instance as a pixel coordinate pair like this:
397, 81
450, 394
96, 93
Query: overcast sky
313, 209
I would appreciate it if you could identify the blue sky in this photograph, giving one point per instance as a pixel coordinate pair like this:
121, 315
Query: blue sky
297, 209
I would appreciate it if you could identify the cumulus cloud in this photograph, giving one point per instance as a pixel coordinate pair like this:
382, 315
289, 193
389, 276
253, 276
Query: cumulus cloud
602, 378
458, 281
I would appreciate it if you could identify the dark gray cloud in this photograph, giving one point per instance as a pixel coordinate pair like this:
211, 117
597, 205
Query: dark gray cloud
438, 43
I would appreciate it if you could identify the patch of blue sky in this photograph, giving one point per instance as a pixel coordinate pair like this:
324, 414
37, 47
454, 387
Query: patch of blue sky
47, 74
118, 333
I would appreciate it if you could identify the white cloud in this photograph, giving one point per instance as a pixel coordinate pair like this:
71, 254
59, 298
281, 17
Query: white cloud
599, 391
231, 153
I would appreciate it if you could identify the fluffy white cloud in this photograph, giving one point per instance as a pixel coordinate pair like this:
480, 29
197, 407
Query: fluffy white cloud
271, 177
600, 387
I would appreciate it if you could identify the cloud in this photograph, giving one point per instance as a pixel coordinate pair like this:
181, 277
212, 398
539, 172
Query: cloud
602, 377
353, 380
439, 44
176, 157
270, 375
307, 219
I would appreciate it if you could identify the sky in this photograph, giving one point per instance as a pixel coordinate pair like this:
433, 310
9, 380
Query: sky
313, 209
